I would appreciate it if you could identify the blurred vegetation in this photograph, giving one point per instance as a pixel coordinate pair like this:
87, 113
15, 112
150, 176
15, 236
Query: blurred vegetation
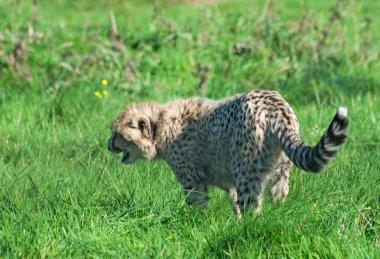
169, 49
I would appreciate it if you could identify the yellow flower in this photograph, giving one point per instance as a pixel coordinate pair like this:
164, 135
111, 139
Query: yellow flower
104, 82
98, 94
105, 93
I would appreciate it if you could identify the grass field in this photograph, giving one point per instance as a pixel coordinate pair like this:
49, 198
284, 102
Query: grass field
62, 194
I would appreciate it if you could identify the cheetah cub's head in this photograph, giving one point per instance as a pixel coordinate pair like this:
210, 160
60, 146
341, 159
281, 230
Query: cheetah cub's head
133, 133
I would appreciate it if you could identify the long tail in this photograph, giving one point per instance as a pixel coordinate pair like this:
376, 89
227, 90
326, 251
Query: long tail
314, 159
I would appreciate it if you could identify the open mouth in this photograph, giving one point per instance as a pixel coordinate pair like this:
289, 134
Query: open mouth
125, 157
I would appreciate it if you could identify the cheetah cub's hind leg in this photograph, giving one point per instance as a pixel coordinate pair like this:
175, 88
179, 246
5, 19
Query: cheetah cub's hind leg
249, 191
279, 180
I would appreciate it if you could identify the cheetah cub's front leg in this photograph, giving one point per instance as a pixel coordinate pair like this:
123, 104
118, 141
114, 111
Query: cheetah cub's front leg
195, 189
197, 195
233, 194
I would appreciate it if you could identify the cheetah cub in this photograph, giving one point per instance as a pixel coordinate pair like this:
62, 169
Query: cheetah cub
238, 144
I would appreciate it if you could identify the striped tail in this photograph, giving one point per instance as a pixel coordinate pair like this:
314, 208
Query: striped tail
314, 159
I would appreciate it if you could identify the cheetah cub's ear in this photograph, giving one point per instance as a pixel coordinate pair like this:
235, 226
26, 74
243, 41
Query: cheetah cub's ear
144, 125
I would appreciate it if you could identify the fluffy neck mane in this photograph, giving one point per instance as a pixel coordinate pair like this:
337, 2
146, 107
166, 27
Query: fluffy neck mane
173, 118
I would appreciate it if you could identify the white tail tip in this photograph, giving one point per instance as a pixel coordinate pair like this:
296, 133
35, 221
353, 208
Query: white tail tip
342, 112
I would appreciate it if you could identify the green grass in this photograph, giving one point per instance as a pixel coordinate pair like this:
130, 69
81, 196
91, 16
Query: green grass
62, 194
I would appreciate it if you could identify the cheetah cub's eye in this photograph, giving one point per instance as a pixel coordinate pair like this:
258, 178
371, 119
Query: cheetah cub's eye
141, 125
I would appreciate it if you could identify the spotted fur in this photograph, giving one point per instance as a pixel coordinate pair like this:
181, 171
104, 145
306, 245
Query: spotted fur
238, 144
